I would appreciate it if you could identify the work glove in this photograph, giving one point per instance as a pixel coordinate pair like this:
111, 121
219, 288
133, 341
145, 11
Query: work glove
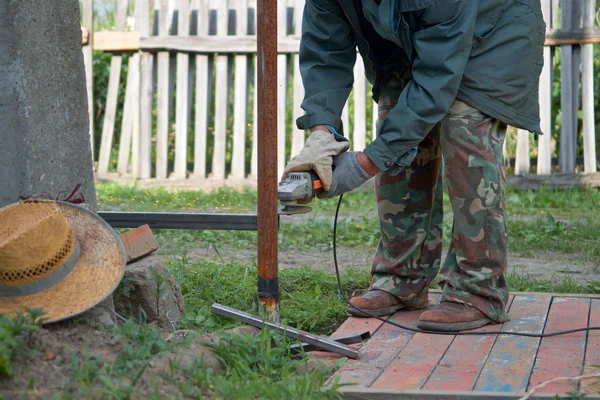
317, 155
347, 175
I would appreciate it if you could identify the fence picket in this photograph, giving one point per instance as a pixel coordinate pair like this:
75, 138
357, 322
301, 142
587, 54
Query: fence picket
522, 157
544, 160
374, 118
162, 89
88, 60
127, 121
181, 110
360, 105
240, 107
567, 150
221, 69
146, 97
587, 87
202, 95
254, 158
136, 126
297, 134
281, 88
108, 127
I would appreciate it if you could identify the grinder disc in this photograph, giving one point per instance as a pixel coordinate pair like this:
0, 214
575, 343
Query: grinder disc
291, 210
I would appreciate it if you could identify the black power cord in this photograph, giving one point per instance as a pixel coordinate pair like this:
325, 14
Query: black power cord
408, 328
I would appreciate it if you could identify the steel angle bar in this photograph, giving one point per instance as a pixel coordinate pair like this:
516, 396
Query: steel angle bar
176, 220
306, 337
350, 339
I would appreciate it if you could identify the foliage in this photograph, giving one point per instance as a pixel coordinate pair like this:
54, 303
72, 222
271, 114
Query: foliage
12, 336
309, 298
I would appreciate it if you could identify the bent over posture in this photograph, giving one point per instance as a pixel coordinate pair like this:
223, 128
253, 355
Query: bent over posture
448, 76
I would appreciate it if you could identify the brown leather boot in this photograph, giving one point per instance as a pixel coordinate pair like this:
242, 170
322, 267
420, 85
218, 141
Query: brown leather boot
450, 316
379, 303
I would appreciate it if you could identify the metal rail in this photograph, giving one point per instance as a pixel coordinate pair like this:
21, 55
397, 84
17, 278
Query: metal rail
306, 337
175, 220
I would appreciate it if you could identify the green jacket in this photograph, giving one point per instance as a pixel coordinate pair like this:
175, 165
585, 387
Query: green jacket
487, 53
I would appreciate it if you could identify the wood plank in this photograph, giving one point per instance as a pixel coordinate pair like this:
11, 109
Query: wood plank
221, 99
240, 102
88, 60
360, 106
415, 362
133, 73
298, 87
561, 356
202, 96
557, 181
511, 360
281, 89
110, 113
136, 125
162, 95
572, 36
146, 96
567, 151
522, 157
362, 393
116, 41
460, 367
181, 110
379, 351
544, 160
592, 352
587, 88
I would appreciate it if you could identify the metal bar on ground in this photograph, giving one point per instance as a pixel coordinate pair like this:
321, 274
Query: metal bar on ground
351, 339
315, 340
171, 220
266, 65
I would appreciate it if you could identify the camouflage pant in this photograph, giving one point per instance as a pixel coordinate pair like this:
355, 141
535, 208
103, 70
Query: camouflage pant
410, 209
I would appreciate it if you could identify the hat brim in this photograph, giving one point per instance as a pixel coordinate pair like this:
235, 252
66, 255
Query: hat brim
96, 275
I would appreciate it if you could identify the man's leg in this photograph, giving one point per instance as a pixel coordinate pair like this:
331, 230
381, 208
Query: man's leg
411, 215
472, 276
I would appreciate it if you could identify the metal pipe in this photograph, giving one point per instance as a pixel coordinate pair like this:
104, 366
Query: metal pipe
180, 220
306, 337
350, 339
266, 64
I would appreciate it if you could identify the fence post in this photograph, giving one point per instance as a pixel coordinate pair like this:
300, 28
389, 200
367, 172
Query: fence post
221, 98
108, 127
240, 105
544, 160
587, 86
181, 108
88, 59
567, 149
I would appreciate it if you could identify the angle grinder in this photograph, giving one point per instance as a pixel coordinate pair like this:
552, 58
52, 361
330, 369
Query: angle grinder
296, 189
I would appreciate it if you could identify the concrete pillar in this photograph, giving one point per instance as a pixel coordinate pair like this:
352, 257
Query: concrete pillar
44, 123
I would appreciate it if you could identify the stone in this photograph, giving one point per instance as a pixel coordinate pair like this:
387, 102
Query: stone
187, 358
137, 294
43, 101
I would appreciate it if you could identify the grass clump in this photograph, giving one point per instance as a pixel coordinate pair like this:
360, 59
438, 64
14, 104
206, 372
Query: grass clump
309, 298
15, 337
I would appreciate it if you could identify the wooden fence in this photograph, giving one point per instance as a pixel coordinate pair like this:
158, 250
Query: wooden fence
192, 70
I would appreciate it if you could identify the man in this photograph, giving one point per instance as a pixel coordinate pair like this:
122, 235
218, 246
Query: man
448, 76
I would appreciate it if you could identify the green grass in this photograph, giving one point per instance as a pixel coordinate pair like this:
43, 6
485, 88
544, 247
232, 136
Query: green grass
310, 299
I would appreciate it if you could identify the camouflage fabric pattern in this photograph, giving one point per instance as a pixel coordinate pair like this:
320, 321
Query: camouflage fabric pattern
410, 210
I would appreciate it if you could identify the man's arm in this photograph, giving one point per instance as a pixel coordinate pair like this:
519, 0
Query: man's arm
327, 58
442, 41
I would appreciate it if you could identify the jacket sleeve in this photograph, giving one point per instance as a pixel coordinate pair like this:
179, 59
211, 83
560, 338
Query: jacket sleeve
327, 57
442, 35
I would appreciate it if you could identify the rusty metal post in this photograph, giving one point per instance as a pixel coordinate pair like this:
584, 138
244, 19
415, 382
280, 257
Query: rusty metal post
266, 64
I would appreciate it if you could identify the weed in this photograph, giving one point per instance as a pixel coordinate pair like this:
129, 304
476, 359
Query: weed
12, 330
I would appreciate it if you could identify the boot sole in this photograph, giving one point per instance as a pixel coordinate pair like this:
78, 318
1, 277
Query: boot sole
454, 327
379, 312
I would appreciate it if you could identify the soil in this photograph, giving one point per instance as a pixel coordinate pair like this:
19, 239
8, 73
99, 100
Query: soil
539, 265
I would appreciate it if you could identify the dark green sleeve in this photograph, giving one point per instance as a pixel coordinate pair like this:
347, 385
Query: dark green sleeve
442, 37
327, 58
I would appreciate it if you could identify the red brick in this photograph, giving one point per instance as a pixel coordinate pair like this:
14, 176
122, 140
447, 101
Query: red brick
138, 243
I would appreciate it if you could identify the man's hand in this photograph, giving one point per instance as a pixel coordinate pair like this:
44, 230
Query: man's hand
317, 155
347, 174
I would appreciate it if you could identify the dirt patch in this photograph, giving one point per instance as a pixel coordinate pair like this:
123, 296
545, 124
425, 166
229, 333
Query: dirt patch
538, 265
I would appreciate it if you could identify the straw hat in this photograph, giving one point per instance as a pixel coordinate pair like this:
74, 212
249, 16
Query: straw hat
56, 256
